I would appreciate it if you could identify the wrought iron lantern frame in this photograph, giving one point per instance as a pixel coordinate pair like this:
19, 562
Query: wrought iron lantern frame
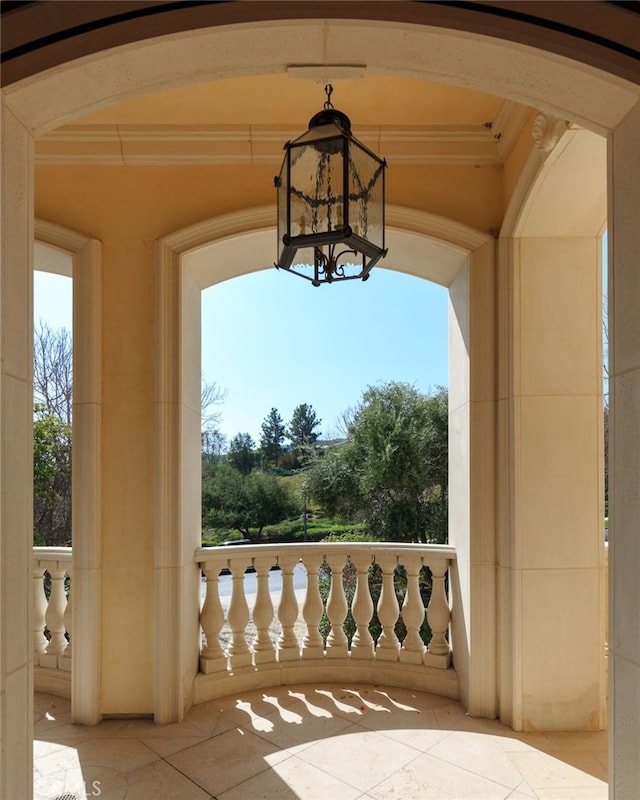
340, 246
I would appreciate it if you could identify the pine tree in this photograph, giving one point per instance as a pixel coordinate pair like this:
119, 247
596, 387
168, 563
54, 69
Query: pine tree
272, 437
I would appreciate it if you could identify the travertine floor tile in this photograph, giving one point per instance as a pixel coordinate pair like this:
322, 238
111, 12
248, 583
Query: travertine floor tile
544, 771
226, 760
478, 753
359, 757
161, 780
429, 777
290, 780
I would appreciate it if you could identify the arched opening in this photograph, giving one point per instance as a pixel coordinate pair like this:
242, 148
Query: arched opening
188, 259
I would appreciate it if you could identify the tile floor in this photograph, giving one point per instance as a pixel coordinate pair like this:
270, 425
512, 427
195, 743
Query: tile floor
325, 742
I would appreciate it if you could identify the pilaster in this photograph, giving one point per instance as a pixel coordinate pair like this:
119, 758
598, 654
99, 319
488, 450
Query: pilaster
624, 456
16, 460
550, 486
472, 464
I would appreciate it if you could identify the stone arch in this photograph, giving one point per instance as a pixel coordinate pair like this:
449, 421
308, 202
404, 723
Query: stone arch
555, 85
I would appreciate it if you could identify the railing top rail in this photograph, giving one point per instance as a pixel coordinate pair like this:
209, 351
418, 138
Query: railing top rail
251, 550
53, 553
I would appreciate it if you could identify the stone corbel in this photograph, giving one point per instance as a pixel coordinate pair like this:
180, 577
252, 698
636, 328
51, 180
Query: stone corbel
547, 130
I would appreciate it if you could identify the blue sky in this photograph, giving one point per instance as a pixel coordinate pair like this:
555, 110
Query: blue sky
270, 339
273, 340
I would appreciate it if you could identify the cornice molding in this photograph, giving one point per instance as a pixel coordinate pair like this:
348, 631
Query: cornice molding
261, 144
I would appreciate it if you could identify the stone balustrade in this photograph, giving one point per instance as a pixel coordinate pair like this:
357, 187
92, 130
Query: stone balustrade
282, 629
255, 635
52, 573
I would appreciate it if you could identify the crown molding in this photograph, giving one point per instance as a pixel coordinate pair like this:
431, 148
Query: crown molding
135, 145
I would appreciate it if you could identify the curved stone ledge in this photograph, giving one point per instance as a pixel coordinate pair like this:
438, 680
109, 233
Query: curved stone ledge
317, 671
52, 681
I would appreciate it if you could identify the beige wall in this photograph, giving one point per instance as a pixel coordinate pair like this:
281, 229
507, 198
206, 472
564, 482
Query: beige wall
99, 200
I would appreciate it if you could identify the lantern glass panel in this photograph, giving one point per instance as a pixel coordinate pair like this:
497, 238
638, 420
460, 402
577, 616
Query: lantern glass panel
366, 195
317, 177
303, 262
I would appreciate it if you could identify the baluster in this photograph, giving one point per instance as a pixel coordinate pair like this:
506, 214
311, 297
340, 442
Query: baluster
212, 658
238, 615
263, 650
312, 645
288, 646
362, 645
337, 645
413, 648
439, 615
388, 611
40, 641
55, 615
65, 661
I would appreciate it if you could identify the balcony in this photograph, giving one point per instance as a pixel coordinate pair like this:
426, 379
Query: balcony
285, 705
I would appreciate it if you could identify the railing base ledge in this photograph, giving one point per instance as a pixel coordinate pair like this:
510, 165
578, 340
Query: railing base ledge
442, 682
213, 665
52, 681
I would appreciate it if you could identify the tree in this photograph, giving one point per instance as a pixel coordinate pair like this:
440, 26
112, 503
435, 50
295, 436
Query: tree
400, 441
212, 438
232, 500
334, 482
301, 427
392, 469
240, 454
53, 371
51, 479
272, 437
53, 398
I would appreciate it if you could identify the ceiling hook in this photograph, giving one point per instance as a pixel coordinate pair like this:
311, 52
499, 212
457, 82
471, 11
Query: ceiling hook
329, 90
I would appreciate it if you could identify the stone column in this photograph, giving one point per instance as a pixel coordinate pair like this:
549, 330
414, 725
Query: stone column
472, 422
86, 676
129, 550
16, 460
550, 484
624, 457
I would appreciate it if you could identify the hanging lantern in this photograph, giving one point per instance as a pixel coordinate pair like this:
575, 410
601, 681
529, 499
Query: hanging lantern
330, 202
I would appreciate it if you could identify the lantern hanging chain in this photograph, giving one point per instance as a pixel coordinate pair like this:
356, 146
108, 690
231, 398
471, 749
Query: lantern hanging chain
327, 103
